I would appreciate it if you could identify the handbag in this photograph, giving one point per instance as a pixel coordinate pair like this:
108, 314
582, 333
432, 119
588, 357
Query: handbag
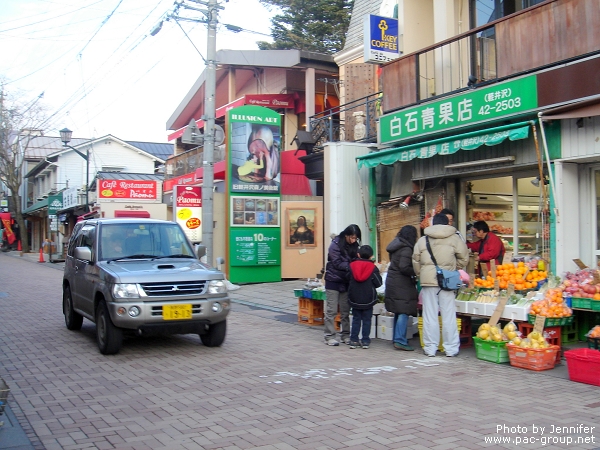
448, 280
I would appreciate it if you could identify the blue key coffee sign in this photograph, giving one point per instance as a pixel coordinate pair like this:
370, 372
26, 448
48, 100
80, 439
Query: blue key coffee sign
380, 39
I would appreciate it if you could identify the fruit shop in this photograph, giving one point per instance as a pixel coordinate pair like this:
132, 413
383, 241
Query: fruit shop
537, 320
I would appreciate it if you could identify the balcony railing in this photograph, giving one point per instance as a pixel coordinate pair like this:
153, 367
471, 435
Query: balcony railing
457, 64
541, 36
343, 123
189, 161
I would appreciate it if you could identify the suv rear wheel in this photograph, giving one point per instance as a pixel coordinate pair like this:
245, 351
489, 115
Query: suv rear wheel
108, 336
73, 320
215, 336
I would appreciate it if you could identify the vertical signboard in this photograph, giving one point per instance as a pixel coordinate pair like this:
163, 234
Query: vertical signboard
254, 194
380, 39
55, 204
187, 210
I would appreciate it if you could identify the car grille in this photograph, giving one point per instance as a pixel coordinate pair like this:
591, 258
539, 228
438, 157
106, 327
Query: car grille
173, 289
157, 310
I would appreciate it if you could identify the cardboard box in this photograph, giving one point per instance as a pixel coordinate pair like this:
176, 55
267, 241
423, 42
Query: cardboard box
476, 308
461, 306
514, 312
385, 327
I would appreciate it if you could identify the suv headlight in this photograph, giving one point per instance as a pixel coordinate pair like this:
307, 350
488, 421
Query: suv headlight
217, 287
126, 291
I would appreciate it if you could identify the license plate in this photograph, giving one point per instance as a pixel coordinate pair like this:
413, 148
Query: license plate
177, 312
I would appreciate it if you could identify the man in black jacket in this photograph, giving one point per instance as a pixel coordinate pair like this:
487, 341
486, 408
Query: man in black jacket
364, 279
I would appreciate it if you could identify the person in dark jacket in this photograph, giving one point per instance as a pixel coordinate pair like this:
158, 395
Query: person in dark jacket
364, 280
401, 296
342, 251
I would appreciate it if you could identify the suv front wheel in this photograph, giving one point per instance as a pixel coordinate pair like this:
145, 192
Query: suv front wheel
215, 336
108, 336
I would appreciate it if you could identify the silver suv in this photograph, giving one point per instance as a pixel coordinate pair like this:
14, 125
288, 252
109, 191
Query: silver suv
142, 276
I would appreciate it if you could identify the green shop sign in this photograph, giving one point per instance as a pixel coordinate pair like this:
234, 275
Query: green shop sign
504, 99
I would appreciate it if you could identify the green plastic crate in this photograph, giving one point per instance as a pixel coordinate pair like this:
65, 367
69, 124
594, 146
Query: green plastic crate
583, 303
595, 305
297, 292
568, 333
552, 321
491, 351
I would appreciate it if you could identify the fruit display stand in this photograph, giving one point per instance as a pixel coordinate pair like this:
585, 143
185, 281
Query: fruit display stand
584, 365
310, 306
495, 352
537, 359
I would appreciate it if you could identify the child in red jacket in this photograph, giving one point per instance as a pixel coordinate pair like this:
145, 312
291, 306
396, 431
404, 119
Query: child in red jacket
364, 279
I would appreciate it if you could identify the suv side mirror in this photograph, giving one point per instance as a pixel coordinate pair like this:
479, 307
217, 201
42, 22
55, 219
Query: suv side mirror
83, 253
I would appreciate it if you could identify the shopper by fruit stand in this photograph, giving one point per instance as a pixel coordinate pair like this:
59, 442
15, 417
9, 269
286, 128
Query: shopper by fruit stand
489, 246
342, 251
451, 253
401, 294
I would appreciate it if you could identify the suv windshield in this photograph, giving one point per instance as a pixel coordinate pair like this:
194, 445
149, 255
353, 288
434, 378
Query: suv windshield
143, 241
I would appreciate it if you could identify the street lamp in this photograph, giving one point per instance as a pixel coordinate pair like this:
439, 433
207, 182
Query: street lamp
65, 137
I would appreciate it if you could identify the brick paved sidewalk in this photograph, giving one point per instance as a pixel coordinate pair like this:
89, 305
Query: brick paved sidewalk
273, 385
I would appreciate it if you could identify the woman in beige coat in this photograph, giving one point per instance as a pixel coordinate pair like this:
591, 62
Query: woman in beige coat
451, 253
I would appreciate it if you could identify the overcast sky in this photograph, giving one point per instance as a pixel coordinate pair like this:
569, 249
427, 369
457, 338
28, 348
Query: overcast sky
99, 69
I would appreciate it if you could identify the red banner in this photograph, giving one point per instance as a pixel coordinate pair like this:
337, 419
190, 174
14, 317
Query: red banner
8, 232
271, 100
127, 189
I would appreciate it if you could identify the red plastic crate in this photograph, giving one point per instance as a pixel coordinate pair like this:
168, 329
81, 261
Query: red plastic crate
553, 339
584, 365
533, 358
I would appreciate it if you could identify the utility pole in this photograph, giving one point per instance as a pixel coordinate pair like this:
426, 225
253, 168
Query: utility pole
209, 131
211, 12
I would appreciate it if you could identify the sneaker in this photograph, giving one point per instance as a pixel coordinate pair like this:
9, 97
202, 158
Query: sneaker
354, 344
332, 342
452, 356
346, 341
365, 345
399, 346
427, 354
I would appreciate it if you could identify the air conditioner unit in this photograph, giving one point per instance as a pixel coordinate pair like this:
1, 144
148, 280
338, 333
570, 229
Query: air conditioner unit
492, 199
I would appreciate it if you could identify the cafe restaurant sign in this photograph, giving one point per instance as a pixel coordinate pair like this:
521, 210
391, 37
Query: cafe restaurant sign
472, 107
127, 189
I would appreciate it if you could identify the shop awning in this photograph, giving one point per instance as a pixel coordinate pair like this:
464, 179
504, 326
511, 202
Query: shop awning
447, 145
38, 205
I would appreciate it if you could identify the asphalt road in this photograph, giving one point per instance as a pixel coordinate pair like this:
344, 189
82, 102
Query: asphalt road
272, 385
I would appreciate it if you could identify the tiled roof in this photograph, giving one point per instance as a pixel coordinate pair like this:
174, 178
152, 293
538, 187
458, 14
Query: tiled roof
158, 149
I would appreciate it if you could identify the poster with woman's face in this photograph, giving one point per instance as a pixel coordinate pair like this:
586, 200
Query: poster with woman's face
301, 228
255, 164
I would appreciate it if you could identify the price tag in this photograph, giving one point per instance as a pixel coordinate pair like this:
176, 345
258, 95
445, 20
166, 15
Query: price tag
496, 285
493, 268
498, 311
526, 273
596, 276
471, 280
580, 264
539, 324
511, 289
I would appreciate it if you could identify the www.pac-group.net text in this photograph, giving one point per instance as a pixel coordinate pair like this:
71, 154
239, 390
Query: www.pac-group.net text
543, 435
